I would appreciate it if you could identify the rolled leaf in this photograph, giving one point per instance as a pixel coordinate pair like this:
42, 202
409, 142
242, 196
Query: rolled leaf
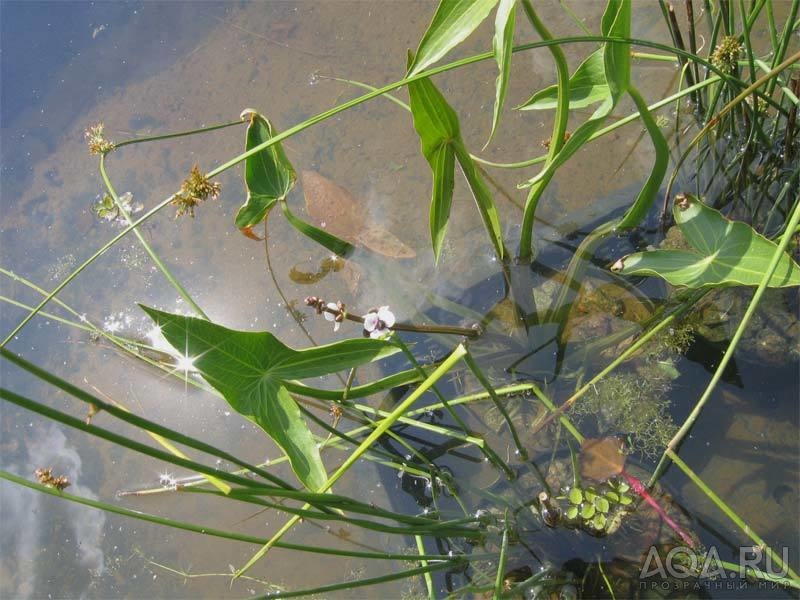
268, 175
322, 237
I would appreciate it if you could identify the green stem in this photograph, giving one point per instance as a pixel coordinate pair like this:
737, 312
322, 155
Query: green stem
167, 136
499, 579
48, 315
732, 515
159, 263
484, 381
424, 563
350, 585
556, 138
209, 531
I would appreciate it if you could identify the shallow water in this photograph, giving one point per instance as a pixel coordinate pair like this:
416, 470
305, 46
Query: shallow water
146, 68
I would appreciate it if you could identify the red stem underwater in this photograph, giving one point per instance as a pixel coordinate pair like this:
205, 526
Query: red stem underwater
641, 489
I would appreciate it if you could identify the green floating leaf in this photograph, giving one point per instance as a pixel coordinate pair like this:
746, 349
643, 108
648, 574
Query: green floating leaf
587, 86
725, 253
453, 22
602, 504
588, 511
268, 175
599, 522
572, 512
502, 44
437, 125
575, 496
249, 370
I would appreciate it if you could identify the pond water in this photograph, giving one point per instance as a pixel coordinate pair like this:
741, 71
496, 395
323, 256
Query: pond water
145, 68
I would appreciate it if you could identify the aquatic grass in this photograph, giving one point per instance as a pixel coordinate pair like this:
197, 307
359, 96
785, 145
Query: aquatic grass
210, 531
326, 502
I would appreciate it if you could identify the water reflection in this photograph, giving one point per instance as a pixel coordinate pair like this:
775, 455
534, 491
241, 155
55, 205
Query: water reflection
32, 522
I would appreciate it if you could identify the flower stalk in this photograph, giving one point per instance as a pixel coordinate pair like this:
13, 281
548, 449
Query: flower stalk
380, 320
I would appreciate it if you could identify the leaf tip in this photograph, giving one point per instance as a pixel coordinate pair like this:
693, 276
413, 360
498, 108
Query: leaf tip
682, 201
249, 233
248, 114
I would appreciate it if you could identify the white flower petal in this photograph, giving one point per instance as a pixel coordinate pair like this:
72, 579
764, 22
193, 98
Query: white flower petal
385, 315
331, 316
371, 322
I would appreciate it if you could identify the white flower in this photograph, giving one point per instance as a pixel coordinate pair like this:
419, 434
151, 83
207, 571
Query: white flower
332, 316
378, 322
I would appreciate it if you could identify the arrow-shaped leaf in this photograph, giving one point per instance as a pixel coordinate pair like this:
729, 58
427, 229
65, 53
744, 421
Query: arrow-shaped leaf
440, 138
249, 370
268, 175
725, 253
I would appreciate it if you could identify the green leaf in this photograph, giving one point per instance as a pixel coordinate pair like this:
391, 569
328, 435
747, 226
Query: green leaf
602, 504
443, 166
502, 44
587, 86
725, 253
322, 237
268, 175
383, 384
249, 370
453, 22
616, 22
437, 125
434, 120
483, 198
